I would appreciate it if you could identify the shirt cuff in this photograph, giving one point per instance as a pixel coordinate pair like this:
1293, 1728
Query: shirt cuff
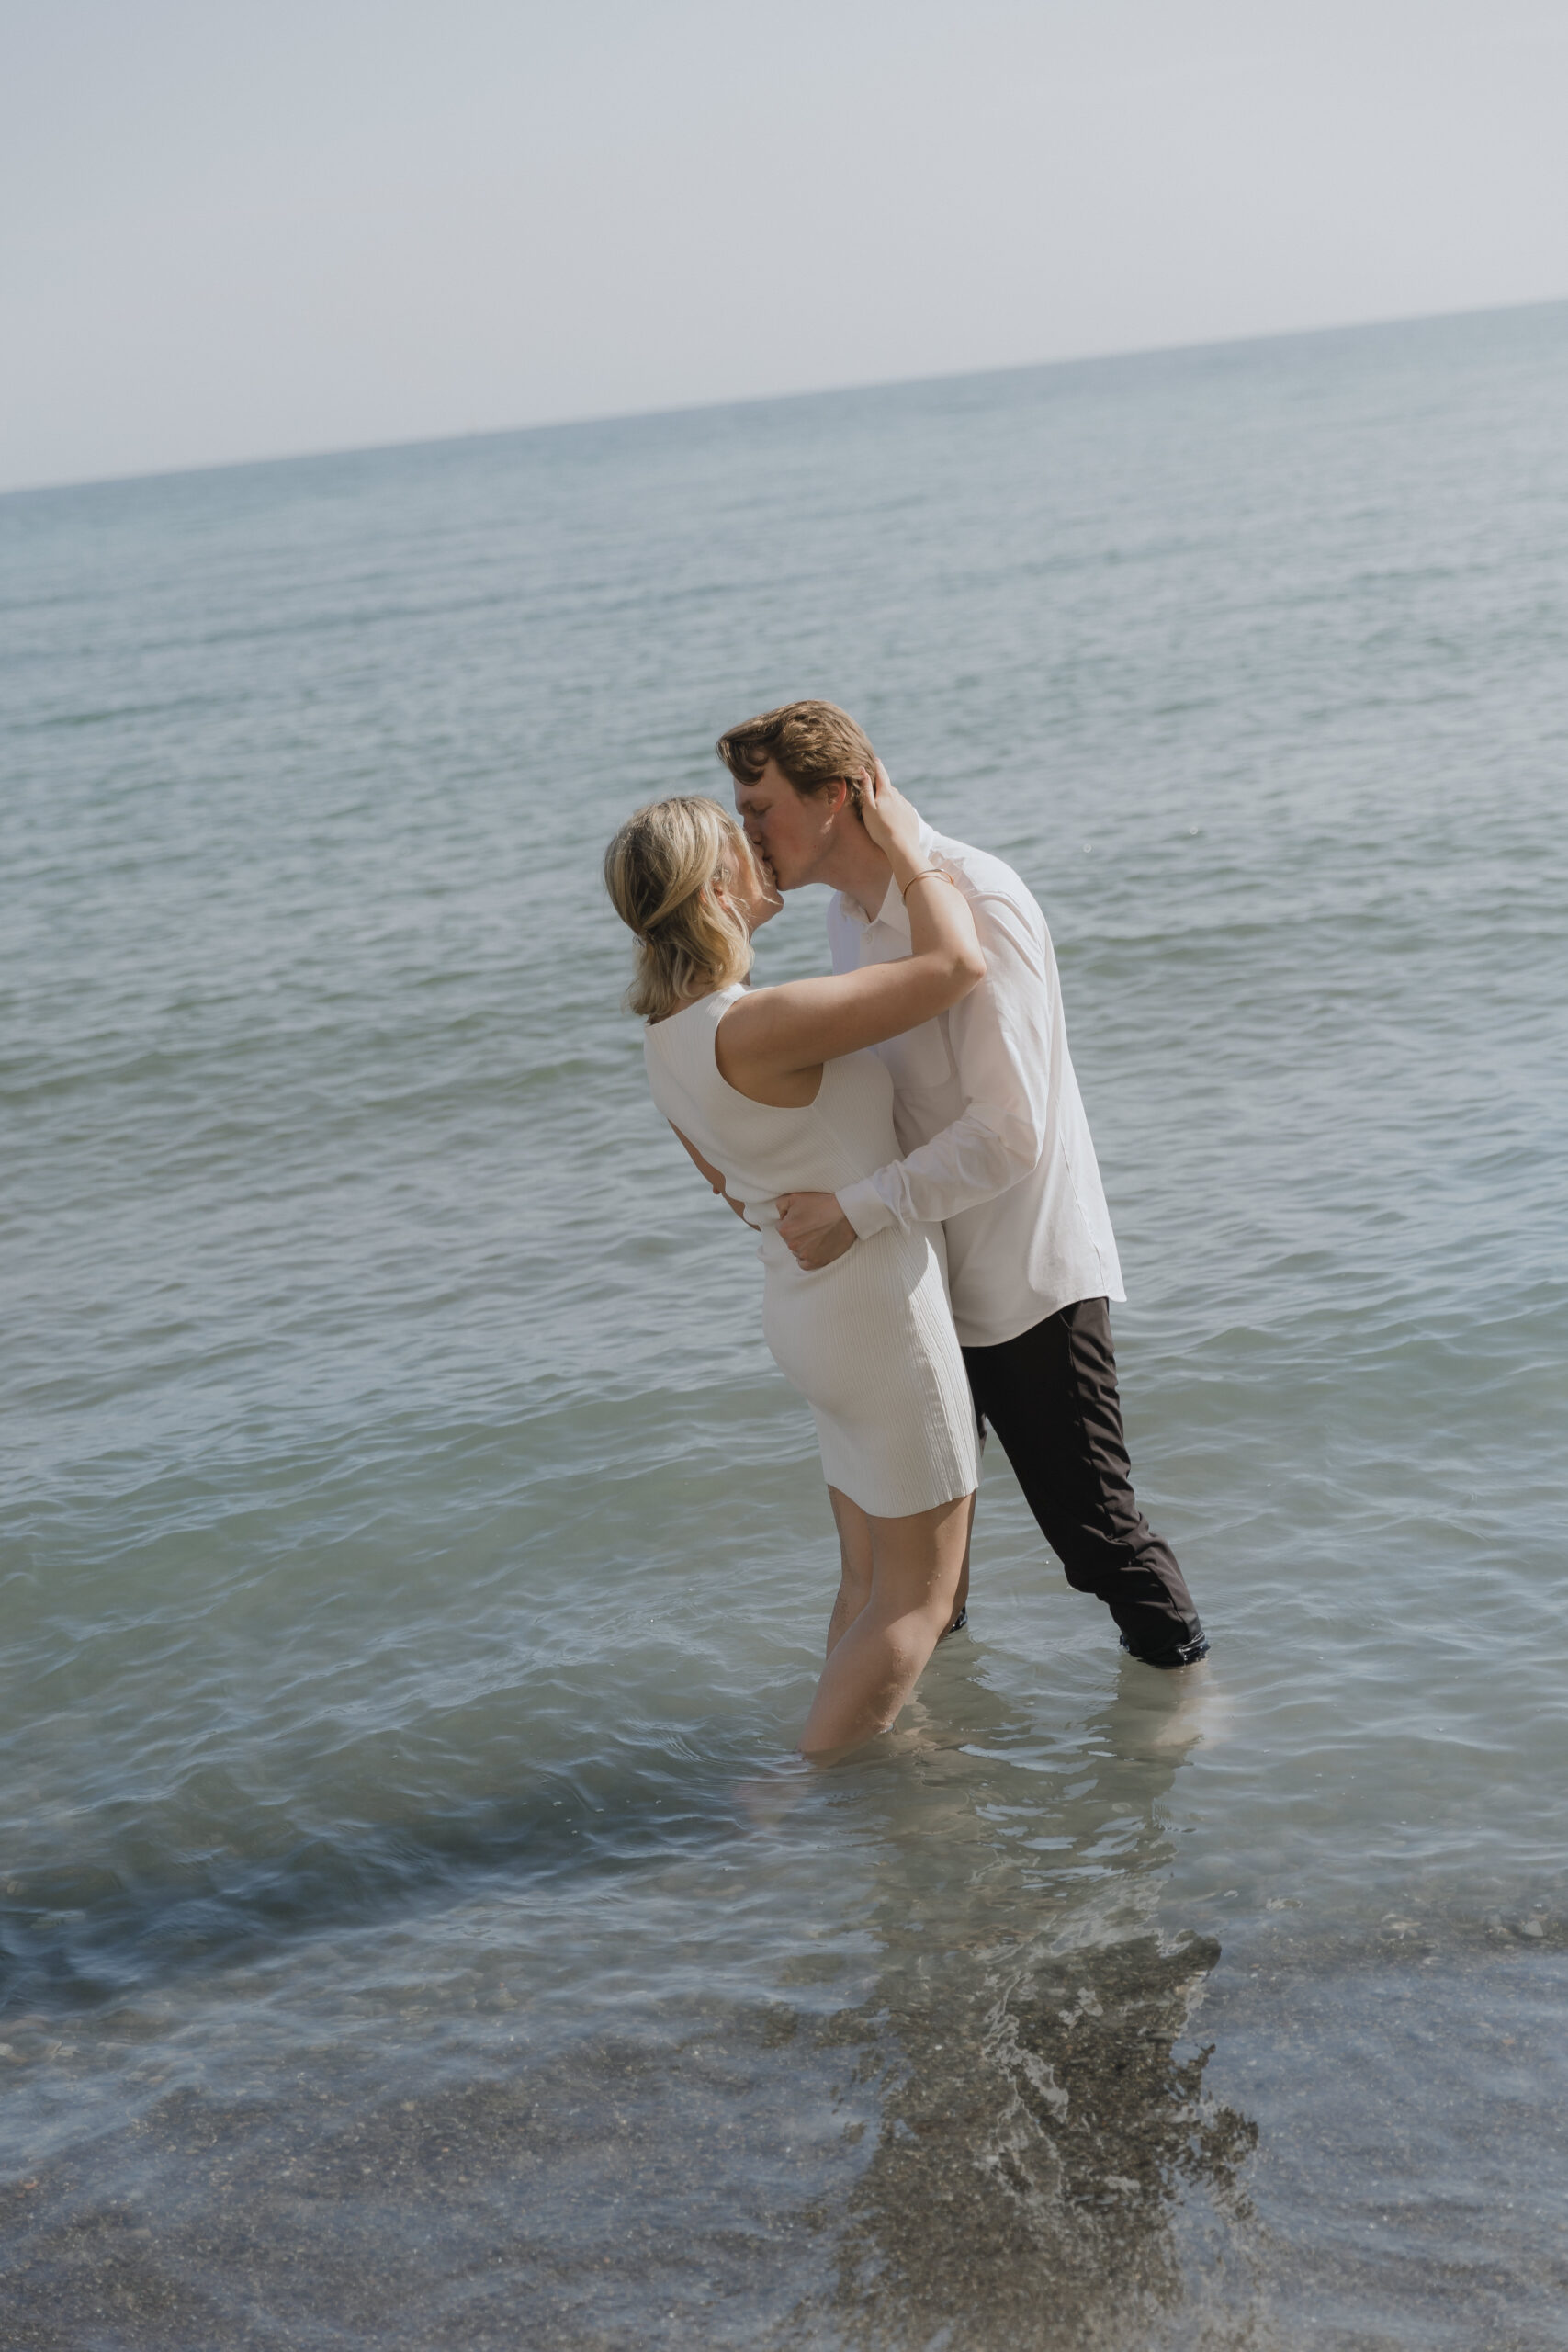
865, 1208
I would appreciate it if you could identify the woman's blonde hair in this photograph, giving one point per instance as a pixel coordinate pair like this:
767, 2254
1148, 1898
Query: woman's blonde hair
660, 871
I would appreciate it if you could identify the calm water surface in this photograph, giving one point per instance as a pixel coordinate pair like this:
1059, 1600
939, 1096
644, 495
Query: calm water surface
414, 1569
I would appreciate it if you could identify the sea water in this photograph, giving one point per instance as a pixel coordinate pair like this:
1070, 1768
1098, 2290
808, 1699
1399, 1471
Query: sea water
415, 1570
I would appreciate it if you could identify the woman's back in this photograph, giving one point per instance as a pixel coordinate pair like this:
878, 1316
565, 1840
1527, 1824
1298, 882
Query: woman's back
763, 1149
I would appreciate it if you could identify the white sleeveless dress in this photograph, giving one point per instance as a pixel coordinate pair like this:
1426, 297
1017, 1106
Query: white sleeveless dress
868, 1340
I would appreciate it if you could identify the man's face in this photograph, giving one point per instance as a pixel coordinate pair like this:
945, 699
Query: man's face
790, 832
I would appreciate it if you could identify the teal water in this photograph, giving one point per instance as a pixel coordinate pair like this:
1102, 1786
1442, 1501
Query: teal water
415, 1570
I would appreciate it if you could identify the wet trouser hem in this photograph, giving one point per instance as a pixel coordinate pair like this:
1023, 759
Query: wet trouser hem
1179, 1654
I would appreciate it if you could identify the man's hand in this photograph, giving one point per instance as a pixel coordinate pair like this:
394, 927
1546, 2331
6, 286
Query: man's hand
815, 1228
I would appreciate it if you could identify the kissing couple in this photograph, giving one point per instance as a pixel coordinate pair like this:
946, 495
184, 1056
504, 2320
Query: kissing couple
907, 1136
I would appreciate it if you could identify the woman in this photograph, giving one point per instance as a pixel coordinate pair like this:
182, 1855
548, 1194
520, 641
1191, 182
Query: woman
776, 1088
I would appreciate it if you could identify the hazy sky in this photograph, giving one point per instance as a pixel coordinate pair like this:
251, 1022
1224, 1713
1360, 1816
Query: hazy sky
232, 230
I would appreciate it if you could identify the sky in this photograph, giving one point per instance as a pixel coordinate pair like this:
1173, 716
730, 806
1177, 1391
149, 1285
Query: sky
234, 230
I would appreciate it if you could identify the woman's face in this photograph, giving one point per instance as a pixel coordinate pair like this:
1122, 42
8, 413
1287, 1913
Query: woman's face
747, 887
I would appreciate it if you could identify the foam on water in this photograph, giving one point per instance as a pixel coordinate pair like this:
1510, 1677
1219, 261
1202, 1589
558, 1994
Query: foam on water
415, 1570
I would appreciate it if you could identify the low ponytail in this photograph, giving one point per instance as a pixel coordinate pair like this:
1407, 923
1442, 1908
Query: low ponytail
660, 871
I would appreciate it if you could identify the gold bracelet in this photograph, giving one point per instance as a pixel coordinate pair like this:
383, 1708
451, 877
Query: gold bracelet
926, 873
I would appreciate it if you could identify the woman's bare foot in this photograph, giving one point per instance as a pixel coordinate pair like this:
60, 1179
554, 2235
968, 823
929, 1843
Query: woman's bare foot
763, 1802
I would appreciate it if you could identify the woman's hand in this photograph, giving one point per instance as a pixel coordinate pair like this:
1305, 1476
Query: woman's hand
893, 824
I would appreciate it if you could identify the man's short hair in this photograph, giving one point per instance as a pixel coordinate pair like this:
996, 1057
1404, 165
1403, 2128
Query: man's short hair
814, 744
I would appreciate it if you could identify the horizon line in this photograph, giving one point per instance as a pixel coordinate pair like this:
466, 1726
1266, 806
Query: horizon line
762, 399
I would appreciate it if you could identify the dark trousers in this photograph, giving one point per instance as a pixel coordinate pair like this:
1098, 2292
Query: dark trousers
1051, 1396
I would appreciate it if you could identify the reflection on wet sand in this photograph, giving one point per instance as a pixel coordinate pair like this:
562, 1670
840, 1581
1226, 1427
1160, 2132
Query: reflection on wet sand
1043, 2118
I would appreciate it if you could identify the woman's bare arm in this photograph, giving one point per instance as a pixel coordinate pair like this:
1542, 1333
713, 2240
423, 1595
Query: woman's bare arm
781, 1031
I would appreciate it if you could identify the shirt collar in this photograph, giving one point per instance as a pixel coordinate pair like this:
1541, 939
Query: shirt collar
892, 914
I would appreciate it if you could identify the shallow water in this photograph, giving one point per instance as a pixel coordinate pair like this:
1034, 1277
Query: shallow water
414, 1569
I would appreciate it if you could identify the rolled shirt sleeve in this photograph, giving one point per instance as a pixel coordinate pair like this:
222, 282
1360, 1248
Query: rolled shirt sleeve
999, 1036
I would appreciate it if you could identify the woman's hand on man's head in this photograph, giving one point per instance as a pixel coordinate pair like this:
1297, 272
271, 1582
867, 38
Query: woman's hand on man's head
893, 822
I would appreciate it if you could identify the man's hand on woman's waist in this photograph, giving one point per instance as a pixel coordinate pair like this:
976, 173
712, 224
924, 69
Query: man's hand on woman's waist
815, 1228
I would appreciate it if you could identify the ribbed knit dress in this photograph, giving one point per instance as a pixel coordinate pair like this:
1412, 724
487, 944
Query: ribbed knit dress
868, 1340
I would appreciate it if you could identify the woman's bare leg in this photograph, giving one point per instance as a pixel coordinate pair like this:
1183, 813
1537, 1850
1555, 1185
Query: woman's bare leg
876, 1660
854, 1565
961, 1597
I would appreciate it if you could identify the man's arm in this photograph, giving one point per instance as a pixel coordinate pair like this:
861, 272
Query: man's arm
1001, 1039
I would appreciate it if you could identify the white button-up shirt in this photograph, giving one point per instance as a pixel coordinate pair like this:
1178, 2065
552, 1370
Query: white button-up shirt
987, 1114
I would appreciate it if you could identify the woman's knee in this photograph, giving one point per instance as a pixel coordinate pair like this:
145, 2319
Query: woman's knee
910, 1624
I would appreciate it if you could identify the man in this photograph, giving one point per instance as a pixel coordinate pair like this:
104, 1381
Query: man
997, 1150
